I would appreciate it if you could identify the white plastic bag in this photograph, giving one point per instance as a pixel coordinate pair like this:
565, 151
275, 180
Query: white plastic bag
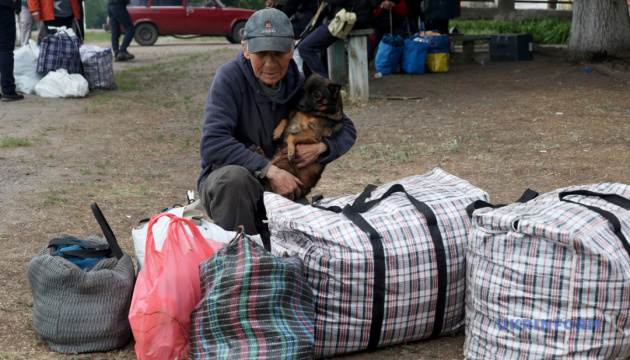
25, 69
61, 84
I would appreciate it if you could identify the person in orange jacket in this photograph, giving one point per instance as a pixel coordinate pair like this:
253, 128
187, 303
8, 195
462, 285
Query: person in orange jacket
55, 12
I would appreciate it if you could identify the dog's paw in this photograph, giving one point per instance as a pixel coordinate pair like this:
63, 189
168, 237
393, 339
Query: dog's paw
291, 157
257, 149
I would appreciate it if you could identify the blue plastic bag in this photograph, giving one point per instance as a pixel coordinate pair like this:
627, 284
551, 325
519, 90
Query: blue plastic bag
415, 53
390, 51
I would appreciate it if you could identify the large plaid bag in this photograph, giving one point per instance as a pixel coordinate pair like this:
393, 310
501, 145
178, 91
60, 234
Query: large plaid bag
550, 278
386, 266
98, 67
254, 305
59, 50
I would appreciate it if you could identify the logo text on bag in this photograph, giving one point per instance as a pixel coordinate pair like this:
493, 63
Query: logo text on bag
548, 324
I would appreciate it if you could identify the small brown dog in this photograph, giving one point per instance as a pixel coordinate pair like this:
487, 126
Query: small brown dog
318, 115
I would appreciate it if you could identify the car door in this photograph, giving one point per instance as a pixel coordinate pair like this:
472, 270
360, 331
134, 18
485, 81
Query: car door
204, 17
169, 16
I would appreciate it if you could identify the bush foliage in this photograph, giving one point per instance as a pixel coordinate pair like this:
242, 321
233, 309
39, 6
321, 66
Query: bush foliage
544, 31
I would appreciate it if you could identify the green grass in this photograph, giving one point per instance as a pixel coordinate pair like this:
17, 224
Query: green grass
10, 142
97, 36
544, 31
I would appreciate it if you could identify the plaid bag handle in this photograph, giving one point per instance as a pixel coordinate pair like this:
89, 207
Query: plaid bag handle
611, 198
528, 194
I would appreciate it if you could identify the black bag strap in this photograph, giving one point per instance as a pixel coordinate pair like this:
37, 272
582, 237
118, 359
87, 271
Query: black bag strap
107, 231
611, 198
528, 195
88, 251
353, 213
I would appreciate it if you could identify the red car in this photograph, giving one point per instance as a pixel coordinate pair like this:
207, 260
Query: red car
153, 18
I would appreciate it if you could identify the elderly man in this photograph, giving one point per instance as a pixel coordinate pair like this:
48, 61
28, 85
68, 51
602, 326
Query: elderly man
248, 98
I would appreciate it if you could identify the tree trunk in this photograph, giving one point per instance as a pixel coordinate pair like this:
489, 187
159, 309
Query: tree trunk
599, 28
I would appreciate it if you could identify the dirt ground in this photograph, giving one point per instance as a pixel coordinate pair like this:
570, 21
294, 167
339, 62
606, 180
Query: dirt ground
505, 127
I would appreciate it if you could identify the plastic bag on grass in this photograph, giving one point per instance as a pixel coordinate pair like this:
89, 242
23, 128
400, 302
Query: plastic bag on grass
25, 69
168, 289
61, 84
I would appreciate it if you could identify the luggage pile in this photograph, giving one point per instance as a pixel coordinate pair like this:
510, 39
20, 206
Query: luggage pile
63, 67
545, 277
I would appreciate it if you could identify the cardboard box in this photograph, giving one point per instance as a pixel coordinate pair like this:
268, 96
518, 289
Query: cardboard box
511, 47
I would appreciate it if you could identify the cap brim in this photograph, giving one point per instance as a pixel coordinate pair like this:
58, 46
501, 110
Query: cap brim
258, 44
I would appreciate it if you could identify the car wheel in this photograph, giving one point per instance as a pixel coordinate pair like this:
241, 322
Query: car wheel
238, 33
146, 34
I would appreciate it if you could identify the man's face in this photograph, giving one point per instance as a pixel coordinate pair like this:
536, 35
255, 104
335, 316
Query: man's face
269, 66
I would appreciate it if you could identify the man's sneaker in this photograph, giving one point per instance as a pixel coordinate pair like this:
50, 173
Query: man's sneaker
14, 97
124, 56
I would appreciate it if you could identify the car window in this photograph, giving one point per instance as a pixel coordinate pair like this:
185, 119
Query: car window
200, 3
159, 3
139, 2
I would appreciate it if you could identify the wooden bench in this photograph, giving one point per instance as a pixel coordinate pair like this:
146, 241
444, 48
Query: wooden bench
468, 41
354, 72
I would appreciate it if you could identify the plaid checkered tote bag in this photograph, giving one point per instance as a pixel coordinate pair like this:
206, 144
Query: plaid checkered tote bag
253, 305
386, 266
59, 50
98, 67
550, 278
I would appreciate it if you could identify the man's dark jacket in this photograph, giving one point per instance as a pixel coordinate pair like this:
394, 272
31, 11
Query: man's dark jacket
239, 115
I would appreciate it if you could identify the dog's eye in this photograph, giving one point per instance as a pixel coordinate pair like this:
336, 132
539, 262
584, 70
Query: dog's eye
317, 95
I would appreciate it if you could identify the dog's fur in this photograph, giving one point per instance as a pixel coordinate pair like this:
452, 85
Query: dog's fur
318, 115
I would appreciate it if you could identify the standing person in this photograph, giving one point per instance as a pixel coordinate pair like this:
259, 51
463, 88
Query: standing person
26, 26
119, 15
8, 9
248, 99
438, 12
387, 20
321, 38
55, 13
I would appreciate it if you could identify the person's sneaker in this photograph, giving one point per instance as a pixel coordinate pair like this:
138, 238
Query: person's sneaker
14, 97
124, 56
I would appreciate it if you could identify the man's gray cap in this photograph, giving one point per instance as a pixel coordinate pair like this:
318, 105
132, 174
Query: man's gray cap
269, 30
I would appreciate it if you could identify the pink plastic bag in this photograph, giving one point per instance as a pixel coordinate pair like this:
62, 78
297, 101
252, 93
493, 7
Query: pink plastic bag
168, 289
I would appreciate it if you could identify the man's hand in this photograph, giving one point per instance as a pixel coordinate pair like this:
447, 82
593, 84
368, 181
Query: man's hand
284, 183
36, 15
306, 154
270, 4
387, 5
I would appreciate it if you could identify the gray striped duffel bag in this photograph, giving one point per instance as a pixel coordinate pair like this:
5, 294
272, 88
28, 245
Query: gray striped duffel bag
77, 310
386, 266
550, 278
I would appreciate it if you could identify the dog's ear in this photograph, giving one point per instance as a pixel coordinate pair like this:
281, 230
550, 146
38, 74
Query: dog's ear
334, 89
306, 70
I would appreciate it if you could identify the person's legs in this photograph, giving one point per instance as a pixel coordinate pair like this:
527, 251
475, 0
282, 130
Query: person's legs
125, 20
232, 196
26, 24
41, 31
7, 44
115, 28
316, 42
121, 15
